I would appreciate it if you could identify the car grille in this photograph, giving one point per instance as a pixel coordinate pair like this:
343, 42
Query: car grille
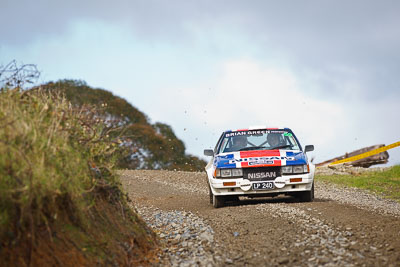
261, 174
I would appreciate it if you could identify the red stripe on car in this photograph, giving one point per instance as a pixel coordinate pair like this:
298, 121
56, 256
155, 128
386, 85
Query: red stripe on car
260, 153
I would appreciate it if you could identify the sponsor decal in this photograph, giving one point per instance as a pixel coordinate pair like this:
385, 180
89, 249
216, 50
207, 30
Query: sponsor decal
280, 182
259, 175
254, 158
253, 132
261, 160
245, 185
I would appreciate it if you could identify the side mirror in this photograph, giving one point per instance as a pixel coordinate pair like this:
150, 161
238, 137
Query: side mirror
208, 152
309, 148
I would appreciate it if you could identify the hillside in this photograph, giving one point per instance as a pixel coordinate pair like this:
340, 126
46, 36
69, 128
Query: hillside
146, 145
61, 203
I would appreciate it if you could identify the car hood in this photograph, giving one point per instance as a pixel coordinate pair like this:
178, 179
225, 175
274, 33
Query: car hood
260, 158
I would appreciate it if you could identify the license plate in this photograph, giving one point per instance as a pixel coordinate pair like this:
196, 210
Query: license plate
263, 186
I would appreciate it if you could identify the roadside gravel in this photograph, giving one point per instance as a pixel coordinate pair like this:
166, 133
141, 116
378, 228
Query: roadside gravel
195, 182
343, 169
342, 227
354, 196
186, 239
322, 242
357, 197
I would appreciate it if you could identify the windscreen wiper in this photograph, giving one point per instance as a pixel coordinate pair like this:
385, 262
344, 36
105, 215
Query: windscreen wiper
251, 148
283, 146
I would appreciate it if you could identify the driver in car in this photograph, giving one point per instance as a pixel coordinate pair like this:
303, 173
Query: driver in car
274, 140
238, 142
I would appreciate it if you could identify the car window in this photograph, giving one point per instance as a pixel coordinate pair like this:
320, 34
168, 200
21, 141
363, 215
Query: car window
291, 140
220, 140
258, 140
224, 145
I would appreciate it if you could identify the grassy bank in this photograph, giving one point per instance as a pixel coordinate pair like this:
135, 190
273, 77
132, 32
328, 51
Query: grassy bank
386, 183
60, 200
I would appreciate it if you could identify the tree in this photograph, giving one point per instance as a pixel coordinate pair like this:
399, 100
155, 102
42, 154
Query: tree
145, 145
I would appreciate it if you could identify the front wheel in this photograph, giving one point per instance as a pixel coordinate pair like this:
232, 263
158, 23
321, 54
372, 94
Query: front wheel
217, 201
232, 198
307, 196
210, 194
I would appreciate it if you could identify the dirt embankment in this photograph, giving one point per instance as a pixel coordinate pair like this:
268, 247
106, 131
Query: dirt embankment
342, 227
112, 236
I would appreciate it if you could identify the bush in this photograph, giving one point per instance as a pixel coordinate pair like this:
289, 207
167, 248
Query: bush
54, 159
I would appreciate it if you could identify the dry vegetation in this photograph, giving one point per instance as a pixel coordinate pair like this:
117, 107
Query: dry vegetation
60, 200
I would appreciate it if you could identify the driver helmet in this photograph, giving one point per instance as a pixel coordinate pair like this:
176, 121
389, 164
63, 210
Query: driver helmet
239, 141
274, 139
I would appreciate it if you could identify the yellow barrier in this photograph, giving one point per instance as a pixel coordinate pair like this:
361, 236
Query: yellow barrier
367, 154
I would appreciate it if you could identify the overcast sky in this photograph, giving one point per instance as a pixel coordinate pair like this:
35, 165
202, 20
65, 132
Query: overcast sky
329, 70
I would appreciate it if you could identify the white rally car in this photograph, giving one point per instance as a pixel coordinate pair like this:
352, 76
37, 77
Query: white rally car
258, 163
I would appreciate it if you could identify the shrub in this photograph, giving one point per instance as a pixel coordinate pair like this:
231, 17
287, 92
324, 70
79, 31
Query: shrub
54, 159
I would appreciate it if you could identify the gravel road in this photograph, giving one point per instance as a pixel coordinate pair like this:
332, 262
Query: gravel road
342, 227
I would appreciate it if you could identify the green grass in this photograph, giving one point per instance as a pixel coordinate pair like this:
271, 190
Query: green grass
385, 183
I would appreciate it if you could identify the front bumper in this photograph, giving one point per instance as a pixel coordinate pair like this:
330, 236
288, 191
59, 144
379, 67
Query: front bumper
244, 187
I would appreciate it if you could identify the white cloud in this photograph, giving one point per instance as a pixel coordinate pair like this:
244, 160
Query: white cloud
248, 93
329, 73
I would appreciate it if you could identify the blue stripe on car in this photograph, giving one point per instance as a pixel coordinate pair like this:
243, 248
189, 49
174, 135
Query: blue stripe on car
299, 158
223, 161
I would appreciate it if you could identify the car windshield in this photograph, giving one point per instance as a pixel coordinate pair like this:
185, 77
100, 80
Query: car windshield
258, 140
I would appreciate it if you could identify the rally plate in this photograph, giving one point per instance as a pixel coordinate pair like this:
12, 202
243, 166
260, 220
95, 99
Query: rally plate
263, 186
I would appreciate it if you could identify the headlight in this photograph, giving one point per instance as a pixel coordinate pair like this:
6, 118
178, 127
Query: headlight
237, 172
287, 169
226, 173
298, 169
295, 169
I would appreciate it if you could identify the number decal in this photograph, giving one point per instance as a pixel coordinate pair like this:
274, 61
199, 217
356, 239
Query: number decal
263, 186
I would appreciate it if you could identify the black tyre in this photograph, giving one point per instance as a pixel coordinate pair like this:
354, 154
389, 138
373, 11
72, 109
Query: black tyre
210, 194
232, 198
307, 196
218, 201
